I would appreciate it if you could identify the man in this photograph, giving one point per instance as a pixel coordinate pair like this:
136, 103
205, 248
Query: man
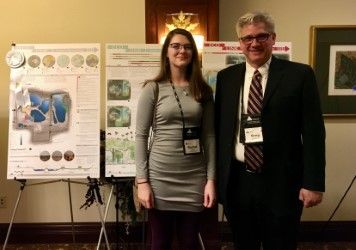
271, 141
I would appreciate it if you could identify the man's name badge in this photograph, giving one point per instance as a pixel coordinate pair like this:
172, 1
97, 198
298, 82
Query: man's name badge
191, 140
253, 135
251, 129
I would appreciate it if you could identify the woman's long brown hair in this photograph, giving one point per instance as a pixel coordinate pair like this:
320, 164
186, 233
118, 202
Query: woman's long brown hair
198, 87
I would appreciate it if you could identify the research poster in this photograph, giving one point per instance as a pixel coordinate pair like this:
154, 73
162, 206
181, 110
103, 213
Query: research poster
54, 111
127, 67
219, 55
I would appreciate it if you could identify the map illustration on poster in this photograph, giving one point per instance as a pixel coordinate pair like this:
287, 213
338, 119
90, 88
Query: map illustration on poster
54, 114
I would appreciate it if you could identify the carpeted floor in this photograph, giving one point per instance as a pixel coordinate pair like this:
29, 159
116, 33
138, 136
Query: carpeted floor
227, 246
316, 246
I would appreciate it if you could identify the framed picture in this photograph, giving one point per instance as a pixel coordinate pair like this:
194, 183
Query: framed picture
333, 58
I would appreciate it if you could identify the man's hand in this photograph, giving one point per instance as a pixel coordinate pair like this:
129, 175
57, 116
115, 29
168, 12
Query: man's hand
310, 198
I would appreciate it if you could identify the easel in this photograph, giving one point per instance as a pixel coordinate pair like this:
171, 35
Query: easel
337, 207
92, 183
115, 185
92, 195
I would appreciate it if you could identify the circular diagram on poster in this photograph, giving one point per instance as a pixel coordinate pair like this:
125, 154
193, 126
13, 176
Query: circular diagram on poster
57, 155
68, 155
14, 58
45, 156
63, 61
77, 60
92, 60
34, 61
48, 61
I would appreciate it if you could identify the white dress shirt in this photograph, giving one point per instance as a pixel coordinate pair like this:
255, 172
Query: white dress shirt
239, 147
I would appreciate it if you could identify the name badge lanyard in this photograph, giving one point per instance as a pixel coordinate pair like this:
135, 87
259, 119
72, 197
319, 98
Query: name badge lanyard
179, 104
242, 100
190, 136
248, 121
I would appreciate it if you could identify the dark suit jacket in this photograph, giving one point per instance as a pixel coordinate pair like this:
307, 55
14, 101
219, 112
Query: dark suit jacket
292, 127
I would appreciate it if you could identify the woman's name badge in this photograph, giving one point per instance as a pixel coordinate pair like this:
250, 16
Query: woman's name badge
191, 140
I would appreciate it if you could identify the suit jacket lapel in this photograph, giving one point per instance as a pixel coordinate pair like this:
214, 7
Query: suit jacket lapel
239, 76
274, 78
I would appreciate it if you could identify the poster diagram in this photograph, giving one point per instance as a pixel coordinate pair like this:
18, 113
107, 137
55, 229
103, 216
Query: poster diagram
219, 55
127, 67
54, 112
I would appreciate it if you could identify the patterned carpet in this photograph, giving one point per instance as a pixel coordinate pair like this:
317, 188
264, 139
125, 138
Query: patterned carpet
316, 246
227, 246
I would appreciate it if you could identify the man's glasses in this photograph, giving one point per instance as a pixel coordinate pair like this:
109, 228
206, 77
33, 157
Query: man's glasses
178, 46
259, 38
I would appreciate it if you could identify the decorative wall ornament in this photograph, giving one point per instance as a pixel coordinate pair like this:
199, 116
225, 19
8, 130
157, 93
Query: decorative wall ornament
187, 21
157, 15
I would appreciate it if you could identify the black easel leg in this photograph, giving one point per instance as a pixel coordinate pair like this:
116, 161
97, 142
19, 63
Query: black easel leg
23, 184
71, 210
117, 215
105, 216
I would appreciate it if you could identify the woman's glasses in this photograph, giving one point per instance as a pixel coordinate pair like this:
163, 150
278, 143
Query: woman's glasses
178, 46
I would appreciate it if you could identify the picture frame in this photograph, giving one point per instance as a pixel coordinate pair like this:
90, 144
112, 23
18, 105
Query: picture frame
333, 58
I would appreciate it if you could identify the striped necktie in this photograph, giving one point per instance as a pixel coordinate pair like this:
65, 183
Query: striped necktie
254, 153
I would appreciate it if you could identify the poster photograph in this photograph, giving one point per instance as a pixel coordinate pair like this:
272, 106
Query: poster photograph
127, 67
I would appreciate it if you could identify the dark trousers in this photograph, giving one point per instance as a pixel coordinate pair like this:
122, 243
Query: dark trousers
252, 221
167, 225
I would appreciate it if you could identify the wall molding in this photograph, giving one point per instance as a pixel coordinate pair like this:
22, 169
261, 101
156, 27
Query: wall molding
23, 233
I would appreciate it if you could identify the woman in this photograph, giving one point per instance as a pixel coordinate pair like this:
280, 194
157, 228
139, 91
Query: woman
179, 180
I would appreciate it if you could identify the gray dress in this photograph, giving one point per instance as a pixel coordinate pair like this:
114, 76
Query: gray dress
177, 180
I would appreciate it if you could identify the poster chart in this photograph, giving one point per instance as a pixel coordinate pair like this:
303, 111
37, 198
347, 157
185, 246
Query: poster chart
219, 55
54, 111
127, 67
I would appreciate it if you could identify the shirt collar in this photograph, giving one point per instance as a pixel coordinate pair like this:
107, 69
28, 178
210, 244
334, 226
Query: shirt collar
263, 69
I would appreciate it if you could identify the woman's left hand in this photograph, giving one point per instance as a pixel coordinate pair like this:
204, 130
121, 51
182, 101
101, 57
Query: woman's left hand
209, 194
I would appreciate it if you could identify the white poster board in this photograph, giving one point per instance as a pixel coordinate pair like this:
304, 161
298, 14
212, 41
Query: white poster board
54, 111
127, 67
219, 55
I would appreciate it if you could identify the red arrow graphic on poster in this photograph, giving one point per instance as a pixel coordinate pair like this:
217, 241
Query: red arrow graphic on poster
281, 48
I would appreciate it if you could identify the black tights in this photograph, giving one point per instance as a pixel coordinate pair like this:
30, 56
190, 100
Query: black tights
164, 224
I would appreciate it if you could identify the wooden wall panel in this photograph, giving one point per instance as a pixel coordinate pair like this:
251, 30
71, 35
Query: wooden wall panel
156, 10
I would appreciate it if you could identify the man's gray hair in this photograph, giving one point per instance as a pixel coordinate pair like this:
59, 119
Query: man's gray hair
253, 18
